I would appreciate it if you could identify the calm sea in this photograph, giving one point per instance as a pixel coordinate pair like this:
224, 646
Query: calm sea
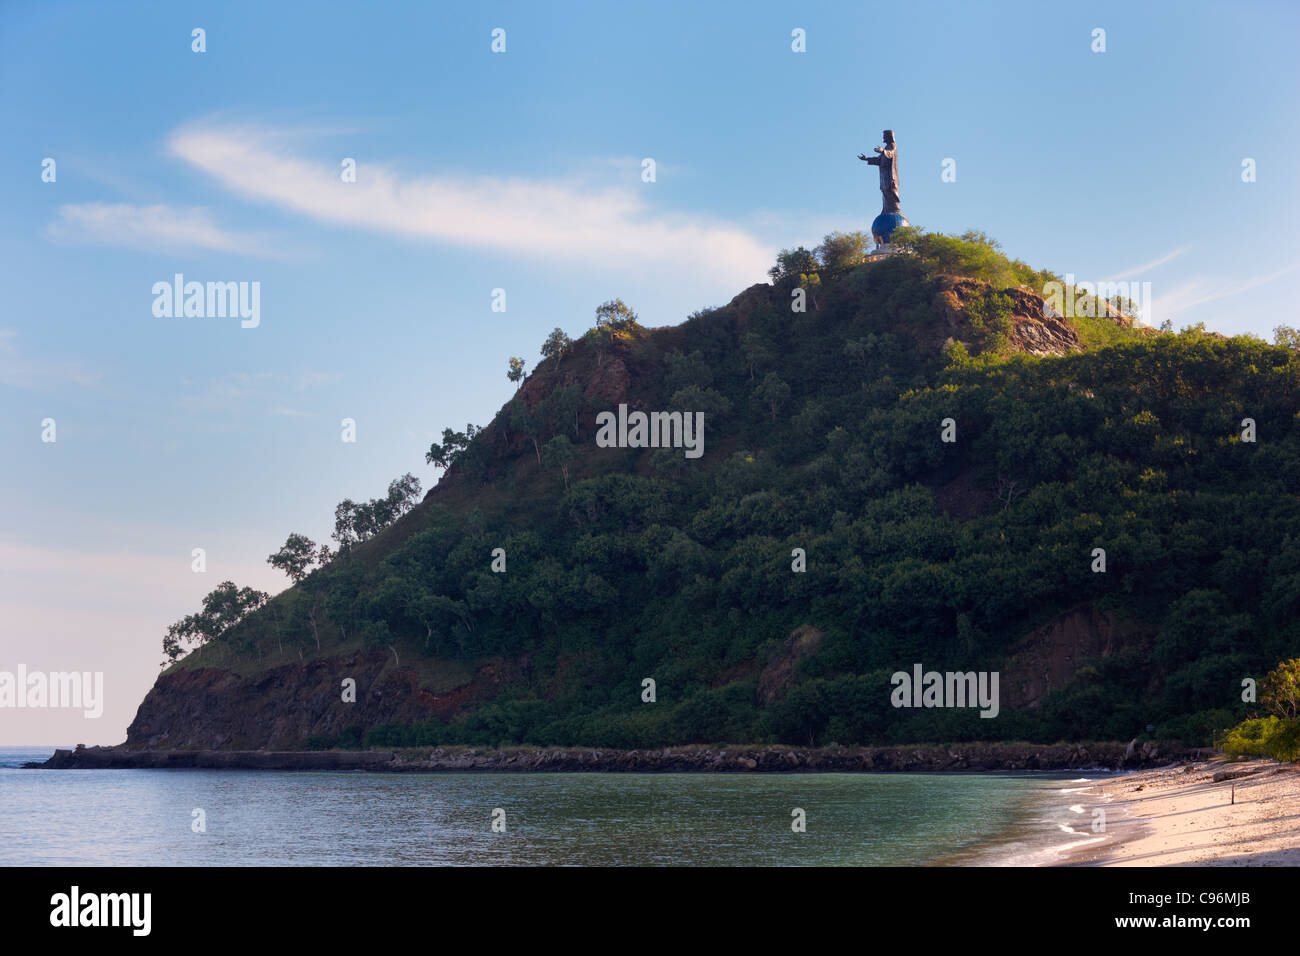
138, 817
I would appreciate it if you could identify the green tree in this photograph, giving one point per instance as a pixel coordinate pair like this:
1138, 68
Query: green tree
556, 344
772, 392
223, 607
522, 420
615, 315
755, 352
296, 557
354, 523
990, 316
686, 369
451, 449
561, 410
810, 284
840, 250
693, 398
343, 602
1286, 335
1279, 691
516, 371
860, 351
560, 453
612, 317
792, 262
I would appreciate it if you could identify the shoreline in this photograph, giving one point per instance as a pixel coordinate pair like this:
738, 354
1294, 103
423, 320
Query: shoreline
687, 759
1180, 815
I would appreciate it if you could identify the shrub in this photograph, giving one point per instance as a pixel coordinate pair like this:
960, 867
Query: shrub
1264, 737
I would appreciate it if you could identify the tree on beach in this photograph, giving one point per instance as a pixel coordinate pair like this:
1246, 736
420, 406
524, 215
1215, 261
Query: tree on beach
1279, 691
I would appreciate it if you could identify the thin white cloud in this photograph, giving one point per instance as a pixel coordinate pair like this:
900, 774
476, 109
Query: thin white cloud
254, 391
23, 371
313, 379
1202, 290
156, 227
1146, 266
553, 219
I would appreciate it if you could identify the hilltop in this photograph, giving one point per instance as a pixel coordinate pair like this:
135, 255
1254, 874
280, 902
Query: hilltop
823, 448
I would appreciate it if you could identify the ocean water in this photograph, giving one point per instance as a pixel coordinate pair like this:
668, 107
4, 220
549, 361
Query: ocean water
141, 817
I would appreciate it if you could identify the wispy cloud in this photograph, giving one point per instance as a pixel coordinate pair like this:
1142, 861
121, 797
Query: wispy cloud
253, 391
1146, 266
156, 227
578, 221
23, 371
314, 379
1201, 290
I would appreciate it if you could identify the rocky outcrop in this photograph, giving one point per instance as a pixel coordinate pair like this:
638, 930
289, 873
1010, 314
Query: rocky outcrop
1035, 330
776, 679
1049, 656
202, 708
120, 758
914, 759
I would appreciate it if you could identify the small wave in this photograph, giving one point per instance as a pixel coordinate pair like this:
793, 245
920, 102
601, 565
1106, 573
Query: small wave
1077, 843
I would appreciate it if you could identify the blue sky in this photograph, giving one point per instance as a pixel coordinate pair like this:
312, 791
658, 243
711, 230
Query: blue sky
520, 170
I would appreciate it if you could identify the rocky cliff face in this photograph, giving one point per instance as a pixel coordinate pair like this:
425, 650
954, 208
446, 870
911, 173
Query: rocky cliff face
1048, 657
277, 709
1034, 330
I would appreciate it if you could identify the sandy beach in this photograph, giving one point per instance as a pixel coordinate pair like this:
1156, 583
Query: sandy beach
1180, 816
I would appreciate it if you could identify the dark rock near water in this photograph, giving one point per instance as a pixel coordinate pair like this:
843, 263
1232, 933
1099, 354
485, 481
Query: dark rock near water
967, 757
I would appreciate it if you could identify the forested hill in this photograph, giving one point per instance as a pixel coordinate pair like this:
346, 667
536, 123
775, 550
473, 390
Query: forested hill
827, 537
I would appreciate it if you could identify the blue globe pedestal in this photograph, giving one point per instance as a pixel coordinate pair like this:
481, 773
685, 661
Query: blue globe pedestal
883, 226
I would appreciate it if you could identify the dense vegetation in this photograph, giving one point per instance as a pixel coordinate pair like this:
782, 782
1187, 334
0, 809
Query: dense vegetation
1278, 734
823, 434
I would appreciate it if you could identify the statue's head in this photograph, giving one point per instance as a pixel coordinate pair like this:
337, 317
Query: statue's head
889, 137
